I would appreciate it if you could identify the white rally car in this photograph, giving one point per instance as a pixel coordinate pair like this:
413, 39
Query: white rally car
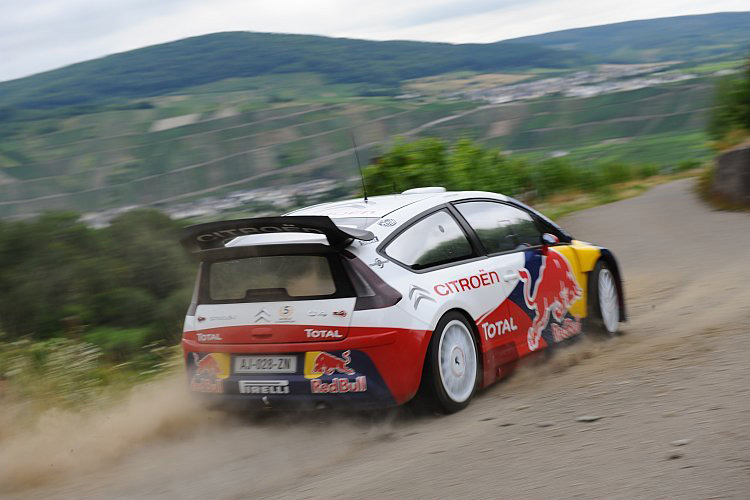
361, 303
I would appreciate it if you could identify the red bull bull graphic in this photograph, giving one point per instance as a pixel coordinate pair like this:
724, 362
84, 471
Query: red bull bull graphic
319, 363
210, 372
554, 291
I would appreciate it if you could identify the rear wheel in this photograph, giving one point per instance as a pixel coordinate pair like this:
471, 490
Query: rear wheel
452, 370
605, 299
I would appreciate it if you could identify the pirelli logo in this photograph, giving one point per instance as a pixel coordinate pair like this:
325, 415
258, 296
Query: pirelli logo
264, 386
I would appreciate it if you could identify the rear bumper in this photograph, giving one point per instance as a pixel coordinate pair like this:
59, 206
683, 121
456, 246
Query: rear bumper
371, 368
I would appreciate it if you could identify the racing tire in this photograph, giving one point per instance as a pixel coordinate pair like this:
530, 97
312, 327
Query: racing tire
452, 368
604, 296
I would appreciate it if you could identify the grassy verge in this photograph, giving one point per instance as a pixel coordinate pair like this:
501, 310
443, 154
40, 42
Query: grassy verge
562, 204
72, 374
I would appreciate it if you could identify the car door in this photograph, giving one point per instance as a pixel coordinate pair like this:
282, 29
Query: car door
450, 270
500, 328
546, 292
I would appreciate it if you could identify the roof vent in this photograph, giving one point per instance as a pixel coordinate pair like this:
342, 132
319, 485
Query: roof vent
425, 190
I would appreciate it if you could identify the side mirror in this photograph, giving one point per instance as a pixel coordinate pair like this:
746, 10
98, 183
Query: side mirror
548, 240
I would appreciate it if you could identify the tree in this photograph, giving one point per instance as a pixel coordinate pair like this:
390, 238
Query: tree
732, 111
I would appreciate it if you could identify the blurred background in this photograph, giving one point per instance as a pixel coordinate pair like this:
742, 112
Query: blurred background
103, 161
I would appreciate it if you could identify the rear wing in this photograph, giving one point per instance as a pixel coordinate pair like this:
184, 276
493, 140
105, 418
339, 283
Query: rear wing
216, 234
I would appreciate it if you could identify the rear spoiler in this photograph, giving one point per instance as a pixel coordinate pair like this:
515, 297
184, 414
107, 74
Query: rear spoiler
215, 234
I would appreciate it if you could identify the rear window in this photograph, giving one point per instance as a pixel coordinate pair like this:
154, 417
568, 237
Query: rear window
271, 278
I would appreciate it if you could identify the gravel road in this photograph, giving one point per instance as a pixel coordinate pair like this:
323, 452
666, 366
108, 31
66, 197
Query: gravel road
662, 411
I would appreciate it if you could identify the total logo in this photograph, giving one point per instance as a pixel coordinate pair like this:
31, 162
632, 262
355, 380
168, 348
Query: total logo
209, 337
322, 334
498, 328
210, 371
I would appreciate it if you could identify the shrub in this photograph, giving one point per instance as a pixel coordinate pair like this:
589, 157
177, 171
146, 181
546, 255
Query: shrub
647, 170
615, 172
125, 307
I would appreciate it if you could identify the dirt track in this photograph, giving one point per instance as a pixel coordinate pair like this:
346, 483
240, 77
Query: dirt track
673, 395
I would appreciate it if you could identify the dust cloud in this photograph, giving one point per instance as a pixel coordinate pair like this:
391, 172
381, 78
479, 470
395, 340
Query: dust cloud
61, 442
160, 426
551, 362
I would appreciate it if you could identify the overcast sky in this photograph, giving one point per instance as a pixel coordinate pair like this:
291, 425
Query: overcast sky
38, 35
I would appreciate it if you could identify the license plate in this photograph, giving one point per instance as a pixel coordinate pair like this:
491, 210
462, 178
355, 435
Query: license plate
265, 364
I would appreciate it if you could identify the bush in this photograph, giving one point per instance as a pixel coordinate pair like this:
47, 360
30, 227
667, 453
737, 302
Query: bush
119, 344
467, 166
731, 111
170, 317
61, 277
647, 170
591, 179
687, 165
616, 172
125, 306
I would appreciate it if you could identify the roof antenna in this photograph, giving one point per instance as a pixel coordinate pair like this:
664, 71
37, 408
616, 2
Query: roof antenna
359, 165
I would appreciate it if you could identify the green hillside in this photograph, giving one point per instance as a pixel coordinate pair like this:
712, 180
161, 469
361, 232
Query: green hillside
723, 35
116, 158
217, 114
168, 67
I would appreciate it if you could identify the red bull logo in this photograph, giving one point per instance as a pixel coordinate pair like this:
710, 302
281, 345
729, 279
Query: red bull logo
322, 363
555, 290
339, 386
210, 372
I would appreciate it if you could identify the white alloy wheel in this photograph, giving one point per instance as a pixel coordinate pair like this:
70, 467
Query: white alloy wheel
609, 304
457, 360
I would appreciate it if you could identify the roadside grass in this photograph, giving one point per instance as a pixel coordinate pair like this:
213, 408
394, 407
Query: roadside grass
561, 204
72, 374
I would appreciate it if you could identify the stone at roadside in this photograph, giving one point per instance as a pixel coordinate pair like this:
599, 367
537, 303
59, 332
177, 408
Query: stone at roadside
588, 418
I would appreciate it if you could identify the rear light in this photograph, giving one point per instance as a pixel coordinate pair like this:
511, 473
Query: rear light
372, 292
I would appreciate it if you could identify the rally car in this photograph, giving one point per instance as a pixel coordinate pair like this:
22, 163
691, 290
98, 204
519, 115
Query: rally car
363, 303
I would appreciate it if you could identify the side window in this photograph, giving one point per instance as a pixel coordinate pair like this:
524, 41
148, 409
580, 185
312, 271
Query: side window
500, 227
436, 239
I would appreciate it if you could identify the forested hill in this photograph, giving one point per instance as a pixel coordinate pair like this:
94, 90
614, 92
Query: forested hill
720, 35
173, 66
204, 59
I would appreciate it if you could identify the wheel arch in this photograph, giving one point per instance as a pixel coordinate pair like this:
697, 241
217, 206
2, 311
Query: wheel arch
474, 329
607, 257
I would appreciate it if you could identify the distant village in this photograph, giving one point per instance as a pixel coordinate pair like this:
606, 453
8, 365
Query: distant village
255, 202
604, 79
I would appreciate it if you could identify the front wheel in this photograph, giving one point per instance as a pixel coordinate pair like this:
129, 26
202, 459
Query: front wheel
452, 371
605, 299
